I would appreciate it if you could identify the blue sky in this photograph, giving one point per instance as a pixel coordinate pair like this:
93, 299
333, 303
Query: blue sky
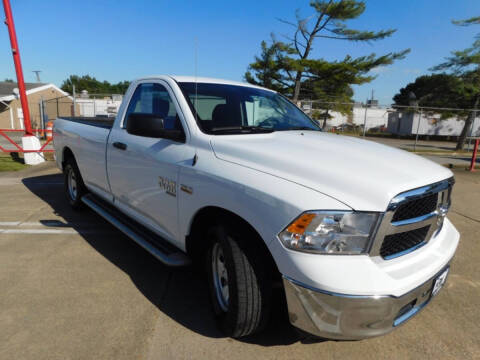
122, 40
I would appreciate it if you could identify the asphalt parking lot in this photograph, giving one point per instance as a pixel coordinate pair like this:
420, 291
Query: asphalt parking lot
73, 287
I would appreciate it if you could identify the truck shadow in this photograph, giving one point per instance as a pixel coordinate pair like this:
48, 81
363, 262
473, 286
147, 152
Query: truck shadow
181, 294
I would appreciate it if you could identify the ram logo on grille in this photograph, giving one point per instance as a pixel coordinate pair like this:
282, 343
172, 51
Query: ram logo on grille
442, 214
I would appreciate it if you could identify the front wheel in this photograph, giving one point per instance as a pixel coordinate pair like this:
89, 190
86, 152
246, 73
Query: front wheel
239, 285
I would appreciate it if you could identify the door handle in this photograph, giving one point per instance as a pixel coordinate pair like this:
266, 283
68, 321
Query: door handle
120, 145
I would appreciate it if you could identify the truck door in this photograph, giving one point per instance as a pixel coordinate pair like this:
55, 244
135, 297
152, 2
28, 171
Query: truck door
143, 171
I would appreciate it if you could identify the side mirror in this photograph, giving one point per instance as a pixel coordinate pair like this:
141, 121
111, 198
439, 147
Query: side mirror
152, 126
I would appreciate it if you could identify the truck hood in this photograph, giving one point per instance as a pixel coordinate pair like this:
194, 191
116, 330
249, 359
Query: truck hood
362, 174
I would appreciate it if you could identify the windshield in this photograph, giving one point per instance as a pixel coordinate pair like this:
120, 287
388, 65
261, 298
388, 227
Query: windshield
226, 109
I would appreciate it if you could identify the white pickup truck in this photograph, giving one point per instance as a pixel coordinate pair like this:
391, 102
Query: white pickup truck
239, 179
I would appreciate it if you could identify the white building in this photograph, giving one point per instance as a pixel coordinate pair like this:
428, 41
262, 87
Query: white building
408, 123
99, 107
375, 116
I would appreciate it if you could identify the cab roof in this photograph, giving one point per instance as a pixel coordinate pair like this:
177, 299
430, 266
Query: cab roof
191, 79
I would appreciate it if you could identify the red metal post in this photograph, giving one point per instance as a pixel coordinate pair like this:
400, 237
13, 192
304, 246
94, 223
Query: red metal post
474, 155
18, 66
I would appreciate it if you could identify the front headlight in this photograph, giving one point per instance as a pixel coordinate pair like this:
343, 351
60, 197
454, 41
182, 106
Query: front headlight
330, 232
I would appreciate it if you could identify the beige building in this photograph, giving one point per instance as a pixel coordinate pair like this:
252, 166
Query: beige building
55, 103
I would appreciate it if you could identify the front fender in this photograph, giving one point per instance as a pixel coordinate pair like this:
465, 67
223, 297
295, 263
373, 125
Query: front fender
267, 202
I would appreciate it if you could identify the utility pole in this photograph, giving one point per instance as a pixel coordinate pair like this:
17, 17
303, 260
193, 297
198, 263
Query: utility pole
18, 66
365, 118
418, 129
37, 75
74, 100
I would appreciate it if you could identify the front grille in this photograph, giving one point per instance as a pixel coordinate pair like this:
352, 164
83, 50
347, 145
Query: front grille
404, 228
396, 243
416, 208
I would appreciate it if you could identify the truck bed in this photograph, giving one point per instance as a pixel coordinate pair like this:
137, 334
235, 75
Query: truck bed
99, 121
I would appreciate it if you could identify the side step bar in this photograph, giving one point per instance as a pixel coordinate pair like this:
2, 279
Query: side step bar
155, 245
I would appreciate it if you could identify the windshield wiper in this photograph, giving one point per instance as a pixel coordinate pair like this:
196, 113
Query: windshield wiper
301, 128
241, 130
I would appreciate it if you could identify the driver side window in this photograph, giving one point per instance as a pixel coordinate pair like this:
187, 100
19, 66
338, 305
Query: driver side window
153, 98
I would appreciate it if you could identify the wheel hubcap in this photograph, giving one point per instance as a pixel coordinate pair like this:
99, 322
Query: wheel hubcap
220, 277
72, 184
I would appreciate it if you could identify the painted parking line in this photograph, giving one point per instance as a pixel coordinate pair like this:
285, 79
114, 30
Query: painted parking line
38, 231
15, 181
42, 223
51, 227
56, 231
49, 223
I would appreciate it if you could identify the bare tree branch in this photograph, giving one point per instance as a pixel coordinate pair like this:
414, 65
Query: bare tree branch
287, 22
293, 40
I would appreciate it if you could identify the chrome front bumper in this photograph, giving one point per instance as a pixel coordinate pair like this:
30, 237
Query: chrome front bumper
352, 317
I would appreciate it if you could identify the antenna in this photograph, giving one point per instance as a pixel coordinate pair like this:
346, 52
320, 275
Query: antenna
196, 80
37, 74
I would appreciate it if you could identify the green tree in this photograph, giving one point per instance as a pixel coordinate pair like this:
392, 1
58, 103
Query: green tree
291, 63
331, 96
436, 90
8, 80
269, 68
93, 86
331, 82
466, 64
440, 91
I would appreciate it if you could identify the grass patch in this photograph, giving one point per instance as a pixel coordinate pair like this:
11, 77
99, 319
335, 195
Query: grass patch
348, 133
462, 167
439, 151
368, 134
11, 163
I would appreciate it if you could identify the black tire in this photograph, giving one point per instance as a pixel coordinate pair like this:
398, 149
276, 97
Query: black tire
249, 282
74, 197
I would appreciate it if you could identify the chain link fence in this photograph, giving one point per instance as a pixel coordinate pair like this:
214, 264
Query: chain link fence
11, 115
370, 119
391, 120
86, 105
42, 111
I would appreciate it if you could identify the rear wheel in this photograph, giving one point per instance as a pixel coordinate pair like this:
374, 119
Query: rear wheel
239, 283
74, 187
